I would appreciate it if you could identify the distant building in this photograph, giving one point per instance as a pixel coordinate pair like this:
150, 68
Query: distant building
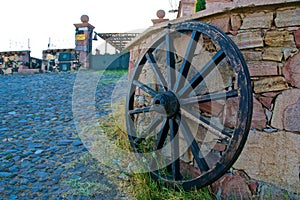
16, 61
60, 60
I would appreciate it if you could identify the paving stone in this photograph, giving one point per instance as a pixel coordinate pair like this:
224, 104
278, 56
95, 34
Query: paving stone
5, 174
54, 148
64, 142
4, 129
24, 181
10, 151
77, 143
26, 164
13, 197
38, 151
45, 197
13, 169
34, 160
13, 182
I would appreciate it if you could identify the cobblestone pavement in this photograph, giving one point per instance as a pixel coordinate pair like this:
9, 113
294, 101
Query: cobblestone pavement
41, 155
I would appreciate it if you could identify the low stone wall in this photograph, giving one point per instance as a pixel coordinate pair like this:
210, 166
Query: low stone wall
108, 61
268, 35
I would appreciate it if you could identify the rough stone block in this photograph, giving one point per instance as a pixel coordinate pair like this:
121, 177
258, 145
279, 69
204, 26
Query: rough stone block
292, 117
234, 186
279, 39
287, 17
266, 101
222, 23
289, 52
213, 108
283, 105
217, 80
262, 68
270, 94
252, 55
259, 119
180, 45
258, 20
248, 40
291, 71
272, 158
297, 37
236, 22
273, 54
270, 84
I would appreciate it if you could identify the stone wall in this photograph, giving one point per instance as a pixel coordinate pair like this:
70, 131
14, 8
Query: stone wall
268, 35
108, 61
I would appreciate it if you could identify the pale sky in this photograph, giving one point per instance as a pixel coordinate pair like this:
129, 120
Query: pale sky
33, 22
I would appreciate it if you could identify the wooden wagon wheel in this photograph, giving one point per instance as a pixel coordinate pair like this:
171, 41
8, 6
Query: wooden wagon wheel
189, 105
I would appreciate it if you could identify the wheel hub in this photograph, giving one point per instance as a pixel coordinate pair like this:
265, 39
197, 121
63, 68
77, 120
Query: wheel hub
166, 103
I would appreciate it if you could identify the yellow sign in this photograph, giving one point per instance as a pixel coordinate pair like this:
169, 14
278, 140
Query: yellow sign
80, 37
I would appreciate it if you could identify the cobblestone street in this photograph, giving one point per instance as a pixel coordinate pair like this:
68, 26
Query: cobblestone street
41, 155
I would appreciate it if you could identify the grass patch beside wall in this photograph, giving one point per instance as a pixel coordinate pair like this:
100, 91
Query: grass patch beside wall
141, 186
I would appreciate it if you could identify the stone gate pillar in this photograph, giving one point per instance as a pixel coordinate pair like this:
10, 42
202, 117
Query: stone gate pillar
83, 41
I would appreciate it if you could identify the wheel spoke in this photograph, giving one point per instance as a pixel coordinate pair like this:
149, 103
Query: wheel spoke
186, 63
174, 139
162, 135
156, 70
139, 110
131, 128
170, 57
209, 97
199, 158
205, 123
196, 80
156, 121
144, 87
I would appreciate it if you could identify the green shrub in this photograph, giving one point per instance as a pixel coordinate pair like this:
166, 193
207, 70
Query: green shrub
200, 5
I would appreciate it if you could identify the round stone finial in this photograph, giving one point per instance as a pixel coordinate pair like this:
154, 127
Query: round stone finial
160, 14
84, 18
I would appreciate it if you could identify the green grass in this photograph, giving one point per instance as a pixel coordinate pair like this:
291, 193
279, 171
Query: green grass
9, 156
87, 188
111, 76
117, 72
142, 186
145, 188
